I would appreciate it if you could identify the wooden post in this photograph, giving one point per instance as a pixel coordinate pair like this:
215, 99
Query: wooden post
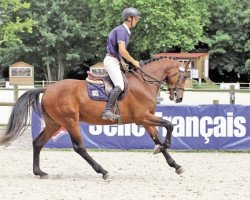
15, 92
215, 102
232, 94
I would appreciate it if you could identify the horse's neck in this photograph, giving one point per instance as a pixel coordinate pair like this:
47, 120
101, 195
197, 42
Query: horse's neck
147, 84
157, 71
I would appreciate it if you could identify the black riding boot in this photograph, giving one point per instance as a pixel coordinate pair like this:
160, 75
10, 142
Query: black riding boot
107, 114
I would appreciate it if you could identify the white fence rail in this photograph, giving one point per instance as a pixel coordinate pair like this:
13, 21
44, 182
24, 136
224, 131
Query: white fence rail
8, 96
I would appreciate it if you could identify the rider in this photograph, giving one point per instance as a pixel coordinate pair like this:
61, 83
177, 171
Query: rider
117, 42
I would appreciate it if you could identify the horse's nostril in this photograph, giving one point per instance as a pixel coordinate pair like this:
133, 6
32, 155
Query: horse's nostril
178, 100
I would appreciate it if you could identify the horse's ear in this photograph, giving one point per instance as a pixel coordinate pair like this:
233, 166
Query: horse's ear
187, 64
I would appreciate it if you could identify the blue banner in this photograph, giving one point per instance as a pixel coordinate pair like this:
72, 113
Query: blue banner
195, 127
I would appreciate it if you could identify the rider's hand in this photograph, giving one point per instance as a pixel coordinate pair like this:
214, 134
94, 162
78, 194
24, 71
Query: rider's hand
136, 63
124, 65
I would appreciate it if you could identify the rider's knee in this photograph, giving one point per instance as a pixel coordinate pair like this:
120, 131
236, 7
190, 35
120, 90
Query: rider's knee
121, 86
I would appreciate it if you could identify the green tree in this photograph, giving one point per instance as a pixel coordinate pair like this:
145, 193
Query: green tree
165, 24
227, 37
60, 39
9, 25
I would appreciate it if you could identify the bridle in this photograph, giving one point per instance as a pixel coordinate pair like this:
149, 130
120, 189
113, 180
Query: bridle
152, 79
173, 90
181, 77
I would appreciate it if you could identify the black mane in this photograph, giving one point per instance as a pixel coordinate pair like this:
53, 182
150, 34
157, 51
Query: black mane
145, 62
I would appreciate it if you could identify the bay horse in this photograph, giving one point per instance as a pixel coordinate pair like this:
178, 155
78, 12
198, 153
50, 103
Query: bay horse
66, 104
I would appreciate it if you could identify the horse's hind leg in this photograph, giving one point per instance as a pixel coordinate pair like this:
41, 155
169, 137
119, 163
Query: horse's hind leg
39, 142
74, 130
81, 150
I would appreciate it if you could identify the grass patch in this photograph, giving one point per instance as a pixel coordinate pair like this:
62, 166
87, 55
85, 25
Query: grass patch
209, 86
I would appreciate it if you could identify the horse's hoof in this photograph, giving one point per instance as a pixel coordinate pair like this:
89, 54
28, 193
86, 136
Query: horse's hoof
179, 171
41, 174
44, 176
105, 176
157, 149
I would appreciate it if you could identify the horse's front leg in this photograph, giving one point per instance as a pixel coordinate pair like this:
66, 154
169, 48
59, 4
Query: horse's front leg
156, 121
171, 162
169, 126
155, 137
160, 148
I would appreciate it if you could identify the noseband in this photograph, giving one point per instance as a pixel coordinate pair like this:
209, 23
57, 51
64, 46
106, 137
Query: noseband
180, 78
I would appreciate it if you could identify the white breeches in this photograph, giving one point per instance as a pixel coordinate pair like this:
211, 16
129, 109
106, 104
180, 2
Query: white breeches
112, 66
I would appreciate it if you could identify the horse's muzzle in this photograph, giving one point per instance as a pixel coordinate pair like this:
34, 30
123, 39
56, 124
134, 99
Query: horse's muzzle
171, 97
178, 100
175, 98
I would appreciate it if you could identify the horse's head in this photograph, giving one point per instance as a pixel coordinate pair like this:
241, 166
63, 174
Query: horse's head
176, 81
157, 70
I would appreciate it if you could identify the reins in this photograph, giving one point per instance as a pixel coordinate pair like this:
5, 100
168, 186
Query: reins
157, 82
152, 81
144, 74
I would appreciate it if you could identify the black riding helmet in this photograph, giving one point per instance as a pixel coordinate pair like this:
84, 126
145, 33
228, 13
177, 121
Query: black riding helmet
130, 12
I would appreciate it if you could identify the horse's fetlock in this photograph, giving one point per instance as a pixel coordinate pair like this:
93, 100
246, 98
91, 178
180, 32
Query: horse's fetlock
37, 146
166, 145
78, 149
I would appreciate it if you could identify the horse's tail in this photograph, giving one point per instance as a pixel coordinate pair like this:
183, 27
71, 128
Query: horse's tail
20, 113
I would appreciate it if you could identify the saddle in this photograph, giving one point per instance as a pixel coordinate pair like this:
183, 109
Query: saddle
102, 85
